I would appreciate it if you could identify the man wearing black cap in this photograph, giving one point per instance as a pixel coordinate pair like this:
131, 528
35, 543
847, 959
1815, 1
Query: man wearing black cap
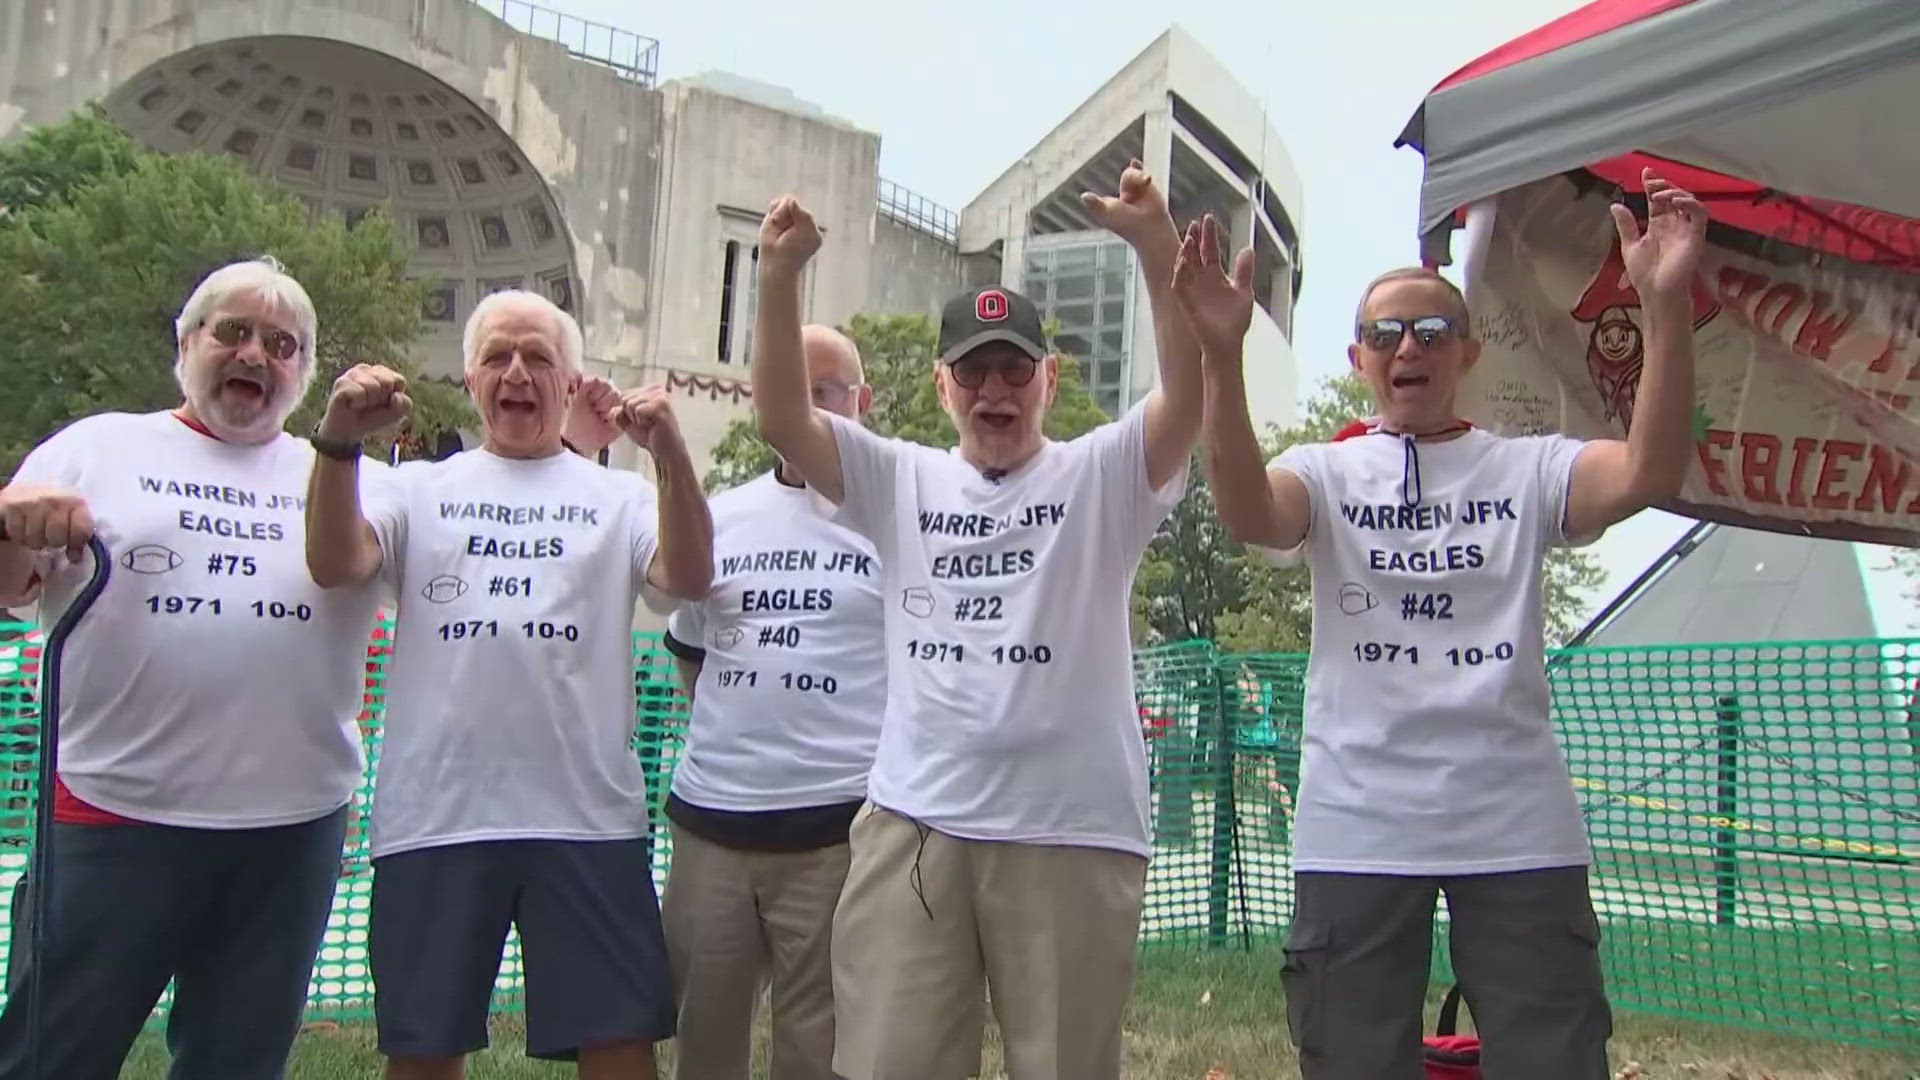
1005, 836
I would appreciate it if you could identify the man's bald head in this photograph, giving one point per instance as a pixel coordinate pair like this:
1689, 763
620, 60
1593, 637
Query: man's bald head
833, 367
831, 355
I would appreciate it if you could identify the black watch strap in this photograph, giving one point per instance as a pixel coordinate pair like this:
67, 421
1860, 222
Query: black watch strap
337, 449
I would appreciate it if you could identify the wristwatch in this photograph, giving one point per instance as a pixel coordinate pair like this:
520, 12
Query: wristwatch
337, 449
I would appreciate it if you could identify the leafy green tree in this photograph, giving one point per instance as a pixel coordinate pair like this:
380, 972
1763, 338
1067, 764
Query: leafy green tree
898, 354
101, 241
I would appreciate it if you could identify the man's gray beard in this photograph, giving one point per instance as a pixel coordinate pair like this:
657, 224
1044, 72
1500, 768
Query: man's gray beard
257, 425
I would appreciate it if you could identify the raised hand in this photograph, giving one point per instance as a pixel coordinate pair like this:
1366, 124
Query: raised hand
1138, 212
43, 518
788, 236
1218, 307
589, 425
366, 399
646, 415
1662, 258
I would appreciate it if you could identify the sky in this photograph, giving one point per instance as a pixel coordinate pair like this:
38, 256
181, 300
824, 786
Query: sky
958, 92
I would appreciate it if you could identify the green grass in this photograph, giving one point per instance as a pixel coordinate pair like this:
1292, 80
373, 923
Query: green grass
1195, 1011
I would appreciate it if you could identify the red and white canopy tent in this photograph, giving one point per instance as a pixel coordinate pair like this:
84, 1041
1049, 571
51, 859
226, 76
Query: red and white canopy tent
1789, 119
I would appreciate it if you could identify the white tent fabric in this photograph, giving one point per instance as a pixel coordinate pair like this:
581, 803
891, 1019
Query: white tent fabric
1806, 96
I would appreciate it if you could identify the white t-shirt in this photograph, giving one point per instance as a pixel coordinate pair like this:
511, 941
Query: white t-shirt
1427, 747
1010, 705
787, 711
212, 685
510, 697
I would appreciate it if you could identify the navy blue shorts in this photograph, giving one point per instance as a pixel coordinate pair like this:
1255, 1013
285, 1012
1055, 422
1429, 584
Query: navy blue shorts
592, 949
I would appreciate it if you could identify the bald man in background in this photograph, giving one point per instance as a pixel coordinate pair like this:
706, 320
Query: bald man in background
785, 665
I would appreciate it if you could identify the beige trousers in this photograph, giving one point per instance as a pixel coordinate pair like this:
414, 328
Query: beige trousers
925, 918
737, 921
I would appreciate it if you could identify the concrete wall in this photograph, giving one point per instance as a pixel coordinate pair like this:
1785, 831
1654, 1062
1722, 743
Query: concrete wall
589, 133
911, 271
727, 159
1000, 210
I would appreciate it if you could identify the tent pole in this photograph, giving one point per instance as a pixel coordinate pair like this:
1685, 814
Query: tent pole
1655, 570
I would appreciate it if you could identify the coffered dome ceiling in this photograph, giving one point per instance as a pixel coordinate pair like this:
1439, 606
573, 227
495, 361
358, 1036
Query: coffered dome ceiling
347, 129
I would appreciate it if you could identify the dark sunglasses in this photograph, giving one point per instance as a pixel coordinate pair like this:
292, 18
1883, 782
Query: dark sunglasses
1429, 330
1016, 369
234, 333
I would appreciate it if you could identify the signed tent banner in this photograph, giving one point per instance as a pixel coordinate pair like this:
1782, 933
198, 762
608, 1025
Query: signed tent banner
1806, 416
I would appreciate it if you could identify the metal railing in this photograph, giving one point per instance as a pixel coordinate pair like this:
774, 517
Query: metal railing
627, 54
918, 212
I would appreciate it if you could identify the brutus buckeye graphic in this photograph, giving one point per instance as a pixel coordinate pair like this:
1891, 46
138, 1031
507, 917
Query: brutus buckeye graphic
1617, 347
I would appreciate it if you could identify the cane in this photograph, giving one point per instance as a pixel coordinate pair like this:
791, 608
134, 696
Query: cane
40, 863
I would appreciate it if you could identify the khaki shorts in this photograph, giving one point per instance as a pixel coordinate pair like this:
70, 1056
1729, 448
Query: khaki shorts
929, 924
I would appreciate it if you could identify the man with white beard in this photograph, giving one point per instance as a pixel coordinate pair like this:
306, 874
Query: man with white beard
208, 746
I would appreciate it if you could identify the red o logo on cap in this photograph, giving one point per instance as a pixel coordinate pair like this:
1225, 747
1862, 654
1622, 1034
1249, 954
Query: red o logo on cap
990, 306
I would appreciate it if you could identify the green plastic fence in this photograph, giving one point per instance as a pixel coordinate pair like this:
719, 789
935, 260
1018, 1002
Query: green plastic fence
1754, 811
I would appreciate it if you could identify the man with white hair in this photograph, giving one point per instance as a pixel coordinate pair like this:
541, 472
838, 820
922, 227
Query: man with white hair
207, 748
508, 791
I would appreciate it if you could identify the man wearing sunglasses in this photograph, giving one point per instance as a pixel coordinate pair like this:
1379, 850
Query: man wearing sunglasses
1005, 838
208, 745
1429, 763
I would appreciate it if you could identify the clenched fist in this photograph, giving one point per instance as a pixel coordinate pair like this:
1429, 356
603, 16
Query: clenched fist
42, 518
646, 415
366, 399
590, 427
788, 236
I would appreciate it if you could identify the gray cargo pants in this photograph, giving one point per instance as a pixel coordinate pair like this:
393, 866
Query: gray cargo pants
1525, 950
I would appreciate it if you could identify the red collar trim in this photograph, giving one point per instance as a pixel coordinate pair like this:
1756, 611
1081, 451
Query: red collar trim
195, 425
1370, 427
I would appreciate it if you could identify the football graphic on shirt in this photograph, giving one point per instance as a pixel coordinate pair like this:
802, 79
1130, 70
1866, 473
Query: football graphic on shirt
150, 559
918, 602
1356, 600
726, 638
444, 589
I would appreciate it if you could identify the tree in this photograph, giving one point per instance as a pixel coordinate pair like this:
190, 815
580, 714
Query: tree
100, 243
1195, 582
1906, 561
898, 354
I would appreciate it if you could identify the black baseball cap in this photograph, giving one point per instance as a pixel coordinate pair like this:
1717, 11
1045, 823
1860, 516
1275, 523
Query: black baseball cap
989, 314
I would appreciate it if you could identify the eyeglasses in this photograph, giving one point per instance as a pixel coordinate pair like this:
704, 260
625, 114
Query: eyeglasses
1429, 330
831, 393
1015, 369
276, 343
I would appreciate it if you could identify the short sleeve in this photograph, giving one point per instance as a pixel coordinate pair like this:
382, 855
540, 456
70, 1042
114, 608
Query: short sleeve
1557, 456
51, 463
686, 632
383, 503
1120, 453
869, 466
54, 464
645, 543
1302, 460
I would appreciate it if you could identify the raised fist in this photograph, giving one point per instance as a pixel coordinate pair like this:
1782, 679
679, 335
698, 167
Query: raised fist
1138, 212
44, 518
366, 399
788, 236
646, 415
589, 425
